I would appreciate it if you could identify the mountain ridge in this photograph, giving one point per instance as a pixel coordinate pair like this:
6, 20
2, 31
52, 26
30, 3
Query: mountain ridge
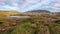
40, 11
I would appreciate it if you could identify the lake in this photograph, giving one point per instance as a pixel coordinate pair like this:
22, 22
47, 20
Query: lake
19, 16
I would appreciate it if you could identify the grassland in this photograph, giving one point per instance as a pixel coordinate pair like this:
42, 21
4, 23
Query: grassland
36, 24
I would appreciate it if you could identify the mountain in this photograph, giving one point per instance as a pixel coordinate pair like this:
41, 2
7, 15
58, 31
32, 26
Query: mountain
40, 11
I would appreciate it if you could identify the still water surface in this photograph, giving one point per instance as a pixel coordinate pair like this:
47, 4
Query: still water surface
19, 16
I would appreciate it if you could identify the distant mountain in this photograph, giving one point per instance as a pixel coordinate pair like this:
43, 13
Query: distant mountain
40, 11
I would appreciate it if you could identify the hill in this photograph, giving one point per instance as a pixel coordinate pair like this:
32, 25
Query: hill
40, 11
8, 12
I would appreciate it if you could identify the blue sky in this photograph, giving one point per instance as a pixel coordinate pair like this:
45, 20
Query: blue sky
26, 5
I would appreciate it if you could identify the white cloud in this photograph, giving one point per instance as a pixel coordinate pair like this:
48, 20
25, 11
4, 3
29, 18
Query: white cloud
30, 4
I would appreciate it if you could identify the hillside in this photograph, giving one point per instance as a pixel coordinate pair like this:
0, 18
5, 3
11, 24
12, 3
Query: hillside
35, 12
8, 12
37, 24
41, 24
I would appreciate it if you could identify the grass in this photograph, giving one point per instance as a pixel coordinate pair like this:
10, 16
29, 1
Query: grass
29, 25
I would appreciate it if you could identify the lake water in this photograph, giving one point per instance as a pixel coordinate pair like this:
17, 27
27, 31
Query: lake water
19, 16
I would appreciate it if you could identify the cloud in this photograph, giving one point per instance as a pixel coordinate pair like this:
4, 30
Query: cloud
25, 5
33, 4
54, 6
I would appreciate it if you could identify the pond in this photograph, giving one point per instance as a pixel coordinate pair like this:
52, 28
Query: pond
19, 16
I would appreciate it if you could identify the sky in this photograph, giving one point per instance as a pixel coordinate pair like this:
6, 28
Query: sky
27, 5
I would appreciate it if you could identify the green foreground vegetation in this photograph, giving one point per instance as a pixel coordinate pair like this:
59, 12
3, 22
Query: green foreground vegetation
33, 25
